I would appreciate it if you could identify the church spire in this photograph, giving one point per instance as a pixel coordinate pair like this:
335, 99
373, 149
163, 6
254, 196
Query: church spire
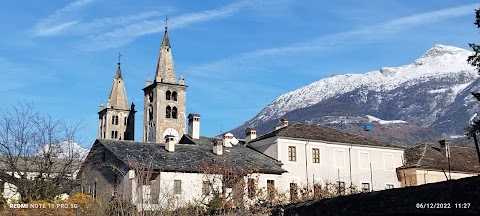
118, 95
165, 68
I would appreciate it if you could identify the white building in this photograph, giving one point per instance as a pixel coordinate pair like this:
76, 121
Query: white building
313, 154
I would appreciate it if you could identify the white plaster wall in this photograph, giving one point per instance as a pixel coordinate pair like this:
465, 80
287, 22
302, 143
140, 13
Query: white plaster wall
303, 170
431, 176
267, 146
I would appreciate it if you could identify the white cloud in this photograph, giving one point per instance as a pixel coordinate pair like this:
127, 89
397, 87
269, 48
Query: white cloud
363, 33
58, 21
127, 34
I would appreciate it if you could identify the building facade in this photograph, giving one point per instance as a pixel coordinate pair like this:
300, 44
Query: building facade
315, 156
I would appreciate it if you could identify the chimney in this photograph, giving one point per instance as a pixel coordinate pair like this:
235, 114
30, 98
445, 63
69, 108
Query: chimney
100, 108
445, 147
170, 143
194, 126
227, 139
283, 123
217, 147
250, 134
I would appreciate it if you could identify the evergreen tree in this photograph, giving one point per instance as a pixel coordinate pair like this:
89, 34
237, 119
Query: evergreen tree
474, 60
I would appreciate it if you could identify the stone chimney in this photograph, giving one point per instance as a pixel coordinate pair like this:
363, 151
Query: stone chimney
170, 143
217, 147
445, 147
194, 126
227, 140
250, 134
283, 123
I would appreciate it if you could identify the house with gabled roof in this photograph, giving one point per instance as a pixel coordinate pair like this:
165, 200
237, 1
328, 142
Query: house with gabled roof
429, 163
314, 156
171, 178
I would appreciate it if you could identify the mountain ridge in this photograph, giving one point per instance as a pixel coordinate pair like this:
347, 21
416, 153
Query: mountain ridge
426, 93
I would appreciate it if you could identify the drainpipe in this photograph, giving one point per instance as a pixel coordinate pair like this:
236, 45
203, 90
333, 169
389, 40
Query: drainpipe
306, 162
350, 161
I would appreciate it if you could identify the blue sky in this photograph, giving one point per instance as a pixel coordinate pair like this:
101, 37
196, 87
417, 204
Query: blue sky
236, 56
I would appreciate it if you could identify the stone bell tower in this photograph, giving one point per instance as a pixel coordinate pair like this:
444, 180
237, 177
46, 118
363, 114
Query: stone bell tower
164, 100
116, 120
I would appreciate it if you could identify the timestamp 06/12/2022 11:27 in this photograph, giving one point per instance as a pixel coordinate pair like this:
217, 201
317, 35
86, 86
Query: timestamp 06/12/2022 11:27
42, 205
445, 205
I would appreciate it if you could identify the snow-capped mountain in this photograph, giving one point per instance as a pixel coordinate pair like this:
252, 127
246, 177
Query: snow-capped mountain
432, 93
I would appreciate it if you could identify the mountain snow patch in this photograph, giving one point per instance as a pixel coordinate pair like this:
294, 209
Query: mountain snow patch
380, 121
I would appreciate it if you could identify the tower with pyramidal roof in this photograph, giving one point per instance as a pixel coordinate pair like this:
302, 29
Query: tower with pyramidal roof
117, 120
164, 99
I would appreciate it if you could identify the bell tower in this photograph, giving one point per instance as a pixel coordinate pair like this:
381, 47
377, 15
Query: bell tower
164, 99
116, 120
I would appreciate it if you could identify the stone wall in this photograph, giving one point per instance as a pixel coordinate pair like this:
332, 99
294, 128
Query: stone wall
461, 196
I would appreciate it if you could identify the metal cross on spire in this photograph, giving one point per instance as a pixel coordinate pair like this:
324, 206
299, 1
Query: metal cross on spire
166, 22
119, 55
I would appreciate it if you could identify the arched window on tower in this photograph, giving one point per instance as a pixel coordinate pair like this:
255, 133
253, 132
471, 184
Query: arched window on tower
174, 112
167, 95
169, 110
174, 96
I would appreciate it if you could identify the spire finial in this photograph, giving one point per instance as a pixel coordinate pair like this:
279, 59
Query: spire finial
166, 22
119, 55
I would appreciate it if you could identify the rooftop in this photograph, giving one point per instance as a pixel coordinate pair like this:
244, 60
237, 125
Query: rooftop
190, 157
323, 133
431, 156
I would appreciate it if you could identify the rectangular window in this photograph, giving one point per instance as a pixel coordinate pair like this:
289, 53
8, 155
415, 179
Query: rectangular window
206, 188
292, 153
340, 187
388, 161
271, 188
293, 192
113, 134
390, 186
365, 187
177, 187
125, 121
113, 120
116, 134
316, 155
251, 188
364, 162
339, 158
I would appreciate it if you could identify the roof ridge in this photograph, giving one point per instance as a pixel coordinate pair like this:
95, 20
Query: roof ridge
423, 154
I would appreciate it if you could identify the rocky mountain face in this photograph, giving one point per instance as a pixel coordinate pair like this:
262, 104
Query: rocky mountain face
429, 100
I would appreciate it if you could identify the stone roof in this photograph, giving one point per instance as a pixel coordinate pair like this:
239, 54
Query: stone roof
323, 133
430, 156
191, 157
